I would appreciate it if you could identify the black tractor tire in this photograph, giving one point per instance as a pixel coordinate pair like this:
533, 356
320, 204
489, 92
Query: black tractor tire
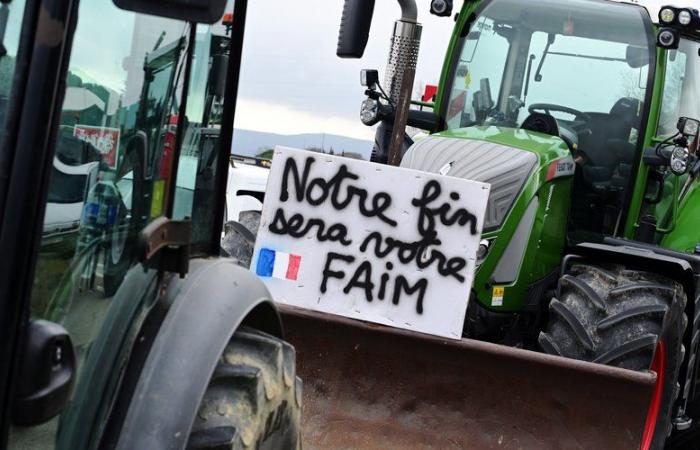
253, 400
617, 316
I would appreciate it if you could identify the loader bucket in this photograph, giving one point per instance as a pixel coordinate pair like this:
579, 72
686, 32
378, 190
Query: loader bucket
372, 387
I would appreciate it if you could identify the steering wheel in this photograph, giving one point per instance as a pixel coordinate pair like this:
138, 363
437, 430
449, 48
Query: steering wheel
579, 116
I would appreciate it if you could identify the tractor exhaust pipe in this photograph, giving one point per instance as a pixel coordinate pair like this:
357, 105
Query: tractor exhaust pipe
390, 142
400, 74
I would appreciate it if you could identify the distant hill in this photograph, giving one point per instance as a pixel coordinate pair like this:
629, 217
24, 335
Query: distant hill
252, 143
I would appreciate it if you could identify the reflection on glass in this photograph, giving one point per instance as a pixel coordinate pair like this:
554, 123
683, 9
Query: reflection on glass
682, 89
110, 177
519, 54
10, 23
195, 192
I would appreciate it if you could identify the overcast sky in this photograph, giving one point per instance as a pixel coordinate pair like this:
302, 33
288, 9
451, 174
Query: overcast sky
291, 80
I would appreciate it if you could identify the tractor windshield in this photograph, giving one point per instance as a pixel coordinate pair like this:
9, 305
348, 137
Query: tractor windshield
583, 62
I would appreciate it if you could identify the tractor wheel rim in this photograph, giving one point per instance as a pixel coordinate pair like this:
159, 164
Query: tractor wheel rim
658, 365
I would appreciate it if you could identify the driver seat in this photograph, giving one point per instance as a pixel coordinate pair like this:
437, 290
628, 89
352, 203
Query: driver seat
607, 146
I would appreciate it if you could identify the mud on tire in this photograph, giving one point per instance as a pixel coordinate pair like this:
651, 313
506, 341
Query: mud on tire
616, 316
254, 397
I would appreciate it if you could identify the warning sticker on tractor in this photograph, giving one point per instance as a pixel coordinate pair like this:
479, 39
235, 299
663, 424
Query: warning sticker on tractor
371, 242
497, 298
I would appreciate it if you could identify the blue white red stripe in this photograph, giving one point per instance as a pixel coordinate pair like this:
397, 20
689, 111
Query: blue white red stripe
274, 264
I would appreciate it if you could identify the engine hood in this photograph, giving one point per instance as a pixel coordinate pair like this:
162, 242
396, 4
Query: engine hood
546, 147
503, 157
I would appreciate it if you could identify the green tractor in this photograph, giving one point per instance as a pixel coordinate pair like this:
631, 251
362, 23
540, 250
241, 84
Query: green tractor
583, 116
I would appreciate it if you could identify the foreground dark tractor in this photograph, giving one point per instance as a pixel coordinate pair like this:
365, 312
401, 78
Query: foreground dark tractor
122, 327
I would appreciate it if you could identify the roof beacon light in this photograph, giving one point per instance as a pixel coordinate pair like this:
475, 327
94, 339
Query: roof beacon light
667, 16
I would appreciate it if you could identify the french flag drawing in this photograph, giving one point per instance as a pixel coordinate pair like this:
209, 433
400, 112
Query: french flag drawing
276, 264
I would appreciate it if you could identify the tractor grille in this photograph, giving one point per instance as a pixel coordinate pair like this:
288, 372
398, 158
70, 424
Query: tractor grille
505, 168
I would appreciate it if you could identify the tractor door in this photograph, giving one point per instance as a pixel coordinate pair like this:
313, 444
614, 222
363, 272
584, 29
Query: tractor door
92, 114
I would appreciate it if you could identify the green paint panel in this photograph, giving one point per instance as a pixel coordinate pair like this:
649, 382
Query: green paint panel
685, 236
547, 237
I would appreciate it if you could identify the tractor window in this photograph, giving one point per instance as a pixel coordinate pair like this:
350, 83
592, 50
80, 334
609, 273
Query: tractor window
682, 87
589, 75
112, 167
478, 74
10, 22
195, 195
585, 65
519, 54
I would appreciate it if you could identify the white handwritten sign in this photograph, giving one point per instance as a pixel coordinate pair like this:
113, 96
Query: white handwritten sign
371, 242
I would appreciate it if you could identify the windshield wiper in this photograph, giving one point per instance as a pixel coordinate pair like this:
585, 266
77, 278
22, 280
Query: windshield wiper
550, 40
527, 81
600, 58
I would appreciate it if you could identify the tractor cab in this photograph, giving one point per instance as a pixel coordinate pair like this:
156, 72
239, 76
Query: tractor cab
584, 72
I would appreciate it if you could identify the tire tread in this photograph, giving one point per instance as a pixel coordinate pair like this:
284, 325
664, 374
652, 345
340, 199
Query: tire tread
249, 402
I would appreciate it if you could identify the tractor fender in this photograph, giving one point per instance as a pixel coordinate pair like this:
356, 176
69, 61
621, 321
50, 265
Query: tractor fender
681, 267
207, 308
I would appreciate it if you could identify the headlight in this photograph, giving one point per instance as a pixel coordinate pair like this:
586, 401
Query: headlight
680, 153
369, 113
483, 250
685, 17
679, 160
668, 38
678, 167
667, 16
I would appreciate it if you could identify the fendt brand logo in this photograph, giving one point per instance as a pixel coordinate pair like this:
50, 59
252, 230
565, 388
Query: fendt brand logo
561, 168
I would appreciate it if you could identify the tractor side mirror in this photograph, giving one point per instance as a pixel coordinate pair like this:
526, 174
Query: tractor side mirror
47, 374
637, 57
217, 75
424, 120
202, 11
354, 28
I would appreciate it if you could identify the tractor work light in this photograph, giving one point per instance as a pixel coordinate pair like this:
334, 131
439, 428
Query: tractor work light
685, 17
369, 77
668, 38
441, 8
667, 16
688, 127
